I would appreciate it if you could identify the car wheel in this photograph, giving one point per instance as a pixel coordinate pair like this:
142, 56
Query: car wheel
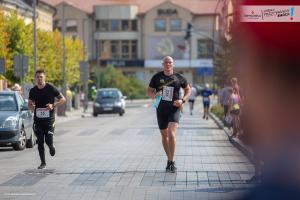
21, 144
31, 142
121, 113
95, 114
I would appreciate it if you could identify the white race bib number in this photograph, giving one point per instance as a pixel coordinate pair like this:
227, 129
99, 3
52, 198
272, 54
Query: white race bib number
167, 94
205, 99
42, 113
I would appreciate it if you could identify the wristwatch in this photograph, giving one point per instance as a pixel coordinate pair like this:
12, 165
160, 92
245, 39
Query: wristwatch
183, 101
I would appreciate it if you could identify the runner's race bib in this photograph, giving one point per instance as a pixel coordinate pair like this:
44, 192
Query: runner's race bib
205, 99
167, 94
42, 113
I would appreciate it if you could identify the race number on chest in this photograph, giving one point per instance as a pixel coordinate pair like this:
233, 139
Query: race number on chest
167, 94
42, 113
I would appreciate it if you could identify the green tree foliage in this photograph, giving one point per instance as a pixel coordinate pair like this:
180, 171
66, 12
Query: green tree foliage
131, 87
224, 63
17, 38
19, 41
4, 39
74, 53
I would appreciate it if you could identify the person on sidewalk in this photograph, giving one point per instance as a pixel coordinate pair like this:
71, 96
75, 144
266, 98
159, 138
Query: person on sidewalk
166, 84
42, 102
192, 98
234, 111
206, 93
225, 97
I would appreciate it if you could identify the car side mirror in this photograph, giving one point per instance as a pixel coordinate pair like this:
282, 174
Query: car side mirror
24, 107
124, 97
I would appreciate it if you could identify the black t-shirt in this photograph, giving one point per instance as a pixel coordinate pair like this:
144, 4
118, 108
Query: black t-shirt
169, 85
42, 97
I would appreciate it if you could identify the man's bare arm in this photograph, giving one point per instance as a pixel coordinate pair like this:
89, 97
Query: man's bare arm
151, 92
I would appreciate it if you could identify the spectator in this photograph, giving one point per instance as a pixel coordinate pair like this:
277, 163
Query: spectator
17, 88
225, 97
234, 109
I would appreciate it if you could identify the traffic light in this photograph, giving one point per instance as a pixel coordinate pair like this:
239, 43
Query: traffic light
188, 31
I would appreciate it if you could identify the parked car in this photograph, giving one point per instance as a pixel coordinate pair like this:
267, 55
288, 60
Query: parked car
16, 121
109, 100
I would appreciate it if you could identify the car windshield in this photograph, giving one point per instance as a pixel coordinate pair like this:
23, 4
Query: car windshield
7, 102
107, 94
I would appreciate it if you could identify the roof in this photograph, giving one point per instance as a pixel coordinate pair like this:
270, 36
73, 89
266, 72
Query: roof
194, 6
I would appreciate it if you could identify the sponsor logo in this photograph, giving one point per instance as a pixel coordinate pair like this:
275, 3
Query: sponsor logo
270, 13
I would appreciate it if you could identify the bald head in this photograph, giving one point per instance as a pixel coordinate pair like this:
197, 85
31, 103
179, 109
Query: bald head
168, 64
167, 58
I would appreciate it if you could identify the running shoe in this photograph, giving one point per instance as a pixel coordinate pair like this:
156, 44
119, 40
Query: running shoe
42, 166
168, 166
52, 150
173, 168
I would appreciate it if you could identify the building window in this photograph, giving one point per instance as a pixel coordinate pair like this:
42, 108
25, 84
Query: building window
104, 25
175, 25
57, 25
160, 25
134, 25
118, 49
104, 47
114, 46
71, 25
114, 25
125, 49
205, 48
97, 25
125, 25
134, 49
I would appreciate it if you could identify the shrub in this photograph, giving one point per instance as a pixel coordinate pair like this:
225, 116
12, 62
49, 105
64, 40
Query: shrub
218, 111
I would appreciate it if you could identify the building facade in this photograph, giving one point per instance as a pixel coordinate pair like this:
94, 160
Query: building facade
78, 24
164, 34
135, 35
44, 12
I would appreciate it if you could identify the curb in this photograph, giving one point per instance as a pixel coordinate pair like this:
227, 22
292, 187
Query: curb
234, 141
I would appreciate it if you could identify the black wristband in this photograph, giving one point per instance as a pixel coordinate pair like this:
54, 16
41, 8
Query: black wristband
183, 101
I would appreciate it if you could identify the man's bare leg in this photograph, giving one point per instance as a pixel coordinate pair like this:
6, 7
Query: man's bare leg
165, 142
172, 144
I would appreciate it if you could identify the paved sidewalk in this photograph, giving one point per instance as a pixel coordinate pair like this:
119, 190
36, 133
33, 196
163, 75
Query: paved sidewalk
127, 162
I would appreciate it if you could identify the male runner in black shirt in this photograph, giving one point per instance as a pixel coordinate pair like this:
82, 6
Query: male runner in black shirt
167, 84
42, 101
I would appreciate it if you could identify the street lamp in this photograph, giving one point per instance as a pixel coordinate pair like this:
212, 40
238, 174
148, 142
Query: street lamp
34, 35
64, 77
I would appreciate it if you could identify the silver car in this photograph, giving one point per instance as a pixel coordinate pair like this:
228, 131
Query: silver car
109, 100
16, 122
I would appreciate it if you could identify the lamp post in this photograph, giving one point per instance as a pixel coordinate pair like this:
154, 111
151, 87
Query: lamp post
62, 111
34, 35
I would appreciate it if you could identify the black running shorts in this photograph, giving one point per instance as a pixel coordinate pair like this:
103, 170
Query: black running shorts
164, 116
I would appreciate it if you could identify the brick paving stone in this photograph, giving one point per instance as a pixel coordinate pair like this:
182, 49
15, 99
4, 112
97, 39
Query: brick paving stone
109, 157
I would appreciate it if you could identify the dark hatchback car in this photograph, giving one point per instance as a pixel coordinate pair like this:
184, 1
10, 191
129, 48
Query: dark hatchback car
109, 100
16, 121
